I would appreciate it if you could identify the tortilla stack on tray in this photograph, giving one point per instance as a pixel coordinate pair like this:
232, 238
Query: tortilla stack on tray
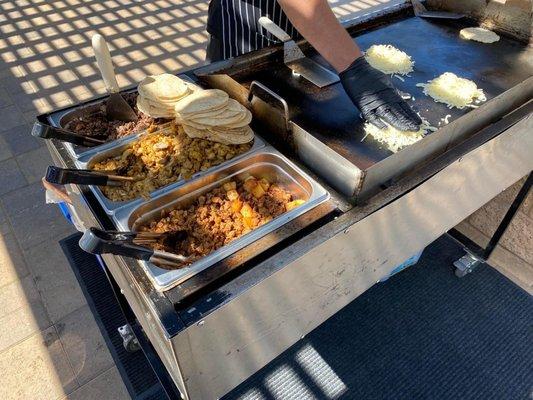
212, 115
158, 95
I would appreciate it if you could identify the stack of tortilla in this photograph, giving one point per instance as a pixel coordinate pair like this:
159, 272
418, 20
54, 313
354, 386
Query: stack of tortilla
158, 95
212, 115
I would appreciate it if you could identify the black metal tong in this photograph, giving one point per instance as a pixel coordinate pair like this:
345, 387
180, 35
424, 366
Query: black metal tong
45, 131
63, 176
133, 245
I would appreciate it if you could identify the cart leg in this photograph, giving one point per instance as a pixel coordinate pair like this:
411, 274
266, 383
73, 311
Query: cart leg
129, 341
476, 255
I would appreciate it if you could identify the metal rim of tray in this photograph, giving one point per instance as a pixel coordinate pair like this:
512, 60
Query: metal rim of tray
171, 277
111, 207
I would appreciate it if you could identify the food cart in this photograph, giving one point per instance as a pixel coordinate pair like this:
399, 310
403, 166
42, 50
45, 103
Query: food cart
367, 209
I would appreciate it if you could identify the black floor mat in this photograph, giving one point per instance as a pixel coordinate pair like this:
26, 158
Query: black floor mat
140, 380
424, 334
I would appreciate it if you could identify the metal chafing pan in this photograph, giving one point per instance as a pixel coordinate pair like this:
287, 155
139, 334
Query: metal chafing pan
267, 163
61, 118
115, 148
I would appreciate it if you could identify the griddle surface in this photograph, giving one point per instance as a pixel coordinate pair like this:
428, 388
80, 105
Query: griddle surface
435, 46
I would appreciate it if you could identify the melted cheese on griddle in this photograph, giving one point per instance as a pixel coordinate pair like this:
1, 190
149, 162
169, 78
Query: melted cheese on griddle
457, 92
389, 60
395, 139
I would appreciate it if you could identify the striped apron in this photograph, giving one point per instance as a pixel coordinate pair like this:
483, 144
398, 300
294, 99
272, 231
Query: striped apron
234, 29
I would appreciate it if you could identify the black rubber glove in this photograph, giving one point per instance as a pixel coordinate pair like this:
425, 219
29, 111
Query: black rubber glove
373, 93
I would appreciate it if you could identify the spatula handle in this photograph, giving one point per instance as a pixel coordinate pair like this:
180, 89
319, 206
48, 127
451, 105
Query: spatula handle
274, 29
105, 64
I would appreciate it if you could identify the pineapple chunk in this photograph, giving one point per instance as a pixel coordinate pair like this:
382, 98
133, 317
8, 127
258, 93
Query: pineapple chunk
249, 184
232, 194
247, 211
231, 185
258, 191
248, 222
236, 205
293, 204
264, 184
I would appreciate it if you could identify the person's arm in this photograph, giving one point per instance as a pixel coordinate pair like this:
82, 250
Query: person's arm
315, 21
369, 89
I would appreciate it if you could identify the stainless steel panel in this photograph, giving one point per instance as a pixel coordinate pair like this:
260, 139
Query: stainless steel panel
268, 164
113, 149
241, 336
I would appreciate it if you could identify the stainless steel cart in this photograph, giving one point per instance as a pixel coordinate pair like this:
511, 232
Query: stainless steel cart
223, 323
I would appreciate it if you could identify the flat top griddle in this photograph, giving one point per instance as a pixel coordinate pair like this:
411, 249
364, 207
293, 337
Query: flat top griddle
435, 46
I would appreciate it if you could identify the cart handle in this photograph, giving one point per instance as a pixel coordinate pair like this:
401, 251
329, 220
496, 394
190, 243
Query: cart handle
256, 87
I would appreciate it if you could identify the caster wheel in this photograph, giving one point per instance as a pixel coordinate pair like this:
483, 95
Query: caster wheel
461, 273
129, 341
132, 345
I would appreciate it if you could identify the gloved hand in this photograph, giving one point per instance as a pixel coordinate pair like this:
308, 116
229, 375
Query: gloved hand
373, 93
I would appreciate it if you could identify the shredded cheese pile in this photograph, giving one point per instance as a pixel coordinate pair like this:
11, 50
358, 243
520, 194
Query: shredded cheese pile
453, 91
389, 60
395, 139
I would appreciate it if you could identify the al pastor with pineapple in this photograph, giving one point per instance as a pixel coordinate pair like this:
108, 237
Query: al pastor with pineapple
222, 215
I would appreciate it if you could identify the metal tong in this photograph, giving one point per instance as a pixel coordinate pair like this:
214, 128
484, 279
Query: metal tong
63, 176
45, 131
133, 245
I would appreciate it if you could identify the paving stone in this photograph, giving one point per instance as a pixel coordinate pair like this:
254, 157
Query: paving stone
519, 235
5, 98
26, 102
5, 152
509, 264
509, 194
34, 164
14, 85
84, 345
11, 116
5, 226
22, 313
55, 280
11, 177
12, 265
19, 140
32, 220
31, 196
108, 385
36, 368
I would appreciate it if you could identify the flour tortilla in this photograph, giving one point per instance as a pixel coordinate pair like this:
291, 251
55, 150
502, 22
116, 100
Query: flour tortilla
211, 99
235, 121
215, 136
164, 87
479, 35
154, 112
157, 105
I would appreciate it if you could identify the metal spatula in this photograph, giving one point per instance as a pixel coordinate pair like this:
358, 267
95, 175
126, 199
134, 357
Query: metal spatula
116, 108
421, 11
296, 60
